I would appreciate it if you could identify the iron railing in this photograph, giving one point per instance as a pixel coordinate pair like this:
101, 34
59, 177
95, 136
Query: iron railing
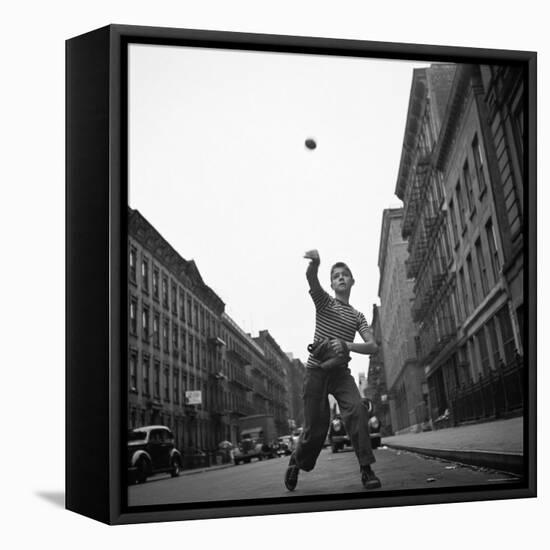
497, 394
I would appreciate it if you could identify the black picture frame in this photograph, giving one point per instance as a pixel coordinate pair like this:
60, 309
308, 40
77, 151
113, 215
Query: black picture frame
96, 266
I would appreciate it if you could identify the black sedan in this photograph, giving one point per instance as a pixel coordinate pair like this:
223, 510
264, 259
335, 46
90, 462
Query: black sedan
339, 438
151, 450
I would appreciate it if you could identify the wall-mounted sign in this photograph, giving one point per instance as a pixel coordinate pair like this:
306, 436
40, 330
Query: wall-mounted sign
193, 397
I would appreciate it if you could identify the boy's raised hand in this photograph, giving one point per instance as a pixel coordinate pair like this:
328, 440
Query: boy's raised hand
313, 255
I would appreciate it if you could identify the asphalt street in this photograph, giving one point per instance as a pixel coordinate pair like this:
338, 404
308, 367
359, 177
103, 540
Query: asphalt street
334, 474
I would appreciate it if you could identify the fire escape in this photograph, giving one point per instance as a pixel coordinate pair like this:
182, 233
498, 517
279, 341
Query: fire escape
240, 382
422, 225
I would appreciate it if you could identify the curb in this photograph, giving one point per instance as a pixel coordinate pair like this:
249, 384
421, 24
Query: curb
505, 462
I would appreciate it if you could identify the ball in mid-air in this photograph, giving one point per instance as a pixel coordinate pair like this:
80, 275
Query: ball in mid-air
310, 143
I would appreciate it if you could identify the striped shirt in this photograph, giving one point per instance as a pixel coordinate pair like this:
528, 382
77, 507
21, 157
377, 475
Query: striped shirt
334, 319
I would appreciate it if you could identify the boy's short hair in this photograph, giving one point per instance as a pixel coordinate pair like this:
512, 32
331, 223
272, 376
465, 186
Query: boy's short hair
340, 264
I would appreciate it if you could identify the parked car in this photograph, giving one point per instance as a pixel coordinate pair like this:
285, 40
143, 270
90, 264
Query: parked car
247, 449
252, 445
151, 450
337, 434
339, 438
375, 426
285, 445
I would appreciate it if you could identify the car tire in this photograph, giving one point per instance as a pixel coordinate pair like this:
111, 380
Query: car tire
334, 448
142, 469
176, 467
236, 462
375, 442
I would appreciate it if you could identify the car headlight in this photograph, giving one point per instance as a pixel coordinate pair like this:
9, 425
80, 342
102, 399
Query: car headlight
374, 423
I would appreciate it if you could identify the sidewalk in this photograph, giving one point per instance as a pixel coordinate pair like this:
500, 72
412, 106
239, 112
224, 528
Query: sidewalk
202, 469
497, 444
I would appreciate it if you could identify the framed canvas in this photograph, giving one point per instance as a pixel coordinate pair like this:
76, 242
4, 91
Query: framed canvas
301, 274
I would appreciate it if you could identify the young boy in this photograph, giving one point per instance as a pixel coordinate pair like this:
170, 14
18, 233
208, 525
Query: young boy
337, 320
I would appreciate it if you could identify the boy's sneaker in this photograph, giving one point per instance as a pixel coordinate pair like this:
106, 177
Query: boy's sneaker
291, 475
369, 480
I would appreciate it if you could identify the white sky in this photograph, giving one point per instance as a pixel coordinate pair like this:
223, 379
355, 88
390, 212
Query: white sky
218, 166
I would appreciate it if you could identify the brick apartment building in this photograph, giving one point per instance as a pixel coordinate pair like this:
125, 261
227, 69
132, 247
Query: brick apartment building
180, 340
460, 181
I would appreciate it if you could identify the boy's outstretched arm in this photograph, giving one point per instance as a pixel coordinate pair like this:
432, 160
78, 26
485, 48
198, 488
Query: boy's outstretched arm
313, 269
367, 347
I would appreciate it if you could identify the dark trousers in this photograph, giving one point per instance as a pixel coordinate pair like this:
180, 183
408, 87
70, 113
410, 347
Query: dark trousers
318, 383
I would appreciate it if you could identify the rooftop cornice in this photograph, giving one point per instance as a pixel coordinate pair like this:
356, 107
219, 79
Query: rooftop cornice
185, 271
415, 111
453, 114
264, 335
246, 338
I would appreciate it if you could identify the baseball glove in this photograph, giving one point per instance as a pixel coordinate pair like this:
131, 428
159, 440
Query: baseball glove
327, 357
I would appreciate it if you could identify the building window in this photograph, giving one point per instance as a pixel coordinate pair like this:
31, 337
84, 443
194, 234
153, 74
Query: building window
206, 398
145, 323
476, 365
456, 307
493, 251
156, 380
468, 185
464, 288
464, 372
145, 275
183, 345
461, 207
165, 292
482, 268
182, 305
473, 281
165, 339
174, 299
156, 276
133, 371
454, 225
479, 165
196, 316
493, 339
212, 326
508, 341
189, 310
132, 262
446, 247
191, 350
518, 124
133, 316
166, 383
156, 330
176, 386
145, 375
175, 339
483, 352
